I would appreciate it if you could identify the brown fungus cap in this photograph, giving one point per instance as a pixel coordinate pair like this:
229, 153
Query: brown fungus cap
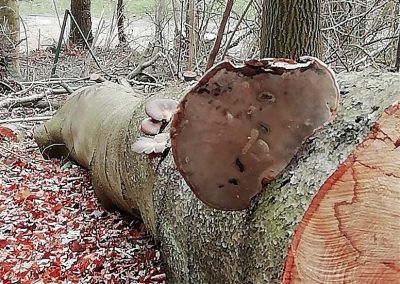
240, 126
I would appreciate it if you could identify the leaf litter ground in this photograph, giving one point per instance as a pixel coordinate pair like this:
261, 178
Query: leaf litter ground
53, 229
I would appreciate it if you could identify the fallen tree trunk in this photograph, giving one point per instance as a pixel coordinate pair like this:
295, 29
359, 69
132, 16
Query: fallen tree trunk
353, 221
98, 125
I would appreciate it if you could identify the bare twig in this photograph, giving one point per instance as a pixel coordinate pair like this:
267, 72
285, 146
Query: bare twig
143, 66
26, 47
192, 44
59, 91
46, 104
144, 83
228, 43
56, 10
24, 91
25, 119
55, 81
21, 156
7, 86
218, 40
66, 87
180, 40
13, 101
123, 81
358, 34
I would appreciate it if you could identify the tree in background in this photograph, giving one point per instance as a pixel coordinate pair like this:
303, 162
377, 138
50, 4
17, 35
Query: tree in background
9, 37
398, 55
120, 22
80, 9
290, 28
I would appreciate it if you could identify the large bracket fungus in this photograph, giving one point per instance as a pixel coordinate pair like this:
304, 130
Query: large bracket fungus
240, 126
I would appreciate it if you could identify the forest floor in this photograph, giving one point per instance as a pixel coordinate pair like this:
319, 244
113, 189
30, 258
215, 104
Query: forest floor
52, 228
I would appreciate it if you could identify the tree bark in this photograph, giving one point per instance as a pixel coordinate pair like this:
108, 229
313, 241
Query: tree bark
204, 245
398, 54
80, 9
120, 22
9, 38
111, 161
210, 246
191, 33
290, 29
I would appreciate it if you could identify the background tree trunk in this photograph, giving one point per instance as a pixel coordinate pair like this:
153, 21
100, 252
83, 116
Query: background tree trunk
398, 55
290, 29
9, 38
203, 245
120, 22
80, 9
192, 39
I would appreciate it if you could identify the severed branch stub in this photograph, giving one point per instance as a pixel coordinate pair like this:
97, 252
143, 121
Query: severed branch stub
239, 127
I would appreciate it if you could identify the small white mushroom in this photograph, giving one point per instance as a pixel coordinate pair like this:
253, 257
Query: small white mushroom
161, 109
150, 126
147, 145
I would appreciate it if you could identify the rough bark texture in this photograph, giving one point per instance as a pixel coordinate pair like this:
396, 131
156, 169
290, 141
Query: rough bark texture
120, 22
9, 38
160, 23
398, 54
203, 245
290, 29
80, 9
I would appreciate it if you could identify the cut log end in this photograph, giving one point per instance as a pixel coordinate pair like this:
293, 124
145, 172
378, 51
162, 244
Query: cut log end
240, 126
350, 233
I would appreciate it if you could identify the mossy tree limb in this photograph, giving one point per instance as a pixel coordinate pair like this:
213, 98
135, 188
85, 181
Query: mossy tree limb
200, 244
96, 127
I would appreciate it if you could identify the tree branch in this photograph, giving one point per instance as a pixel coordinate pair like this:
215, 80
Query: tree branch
142, 66
218, 40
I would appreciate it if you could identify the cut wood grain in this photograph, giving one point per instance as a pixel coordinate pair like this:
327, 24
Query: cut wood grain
350, 233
